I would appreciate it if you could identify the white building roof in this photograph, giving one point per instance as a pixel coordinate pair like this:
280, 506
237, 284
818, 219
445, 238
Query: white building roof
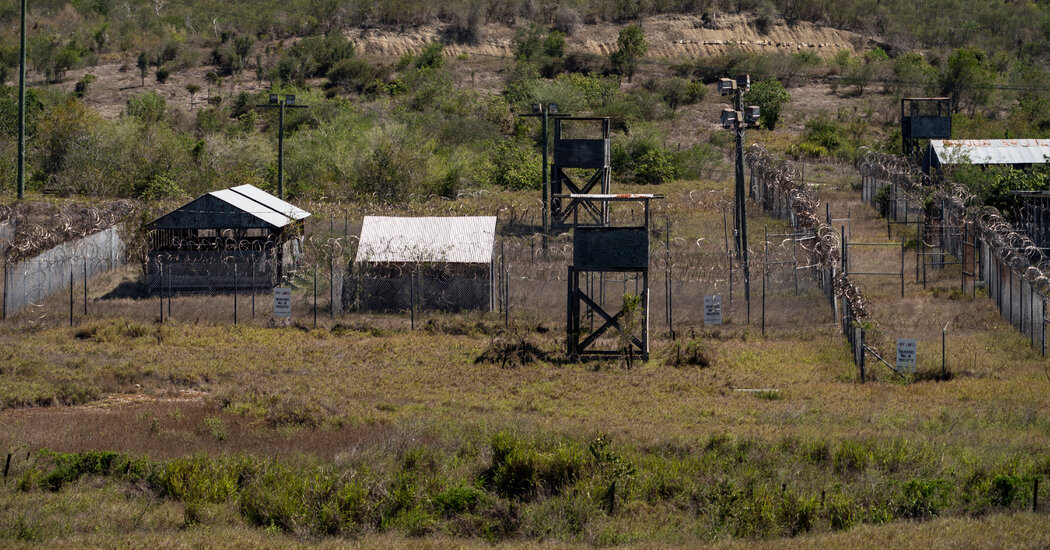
273, 203
248, 206
464, 239
991, 151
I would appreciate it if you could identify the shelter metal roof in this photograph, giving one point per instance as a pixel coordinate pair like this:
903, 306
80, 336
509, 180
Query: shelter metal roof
463, 239
270, 201
245, 206
991, 151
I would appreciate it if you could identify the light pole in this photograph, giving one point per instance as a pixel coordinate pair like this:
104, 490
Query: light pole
281, 103
542, 112
21, 161
738, 119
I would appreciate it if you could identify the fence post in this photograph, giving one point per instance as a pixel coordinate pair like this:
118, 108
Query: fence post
331, 283
315, 295
860, 352
234, 292
71, 292
412, 299
506, 284
85, 287
944, 356
160, 294
902, 268
765, 273
252, 268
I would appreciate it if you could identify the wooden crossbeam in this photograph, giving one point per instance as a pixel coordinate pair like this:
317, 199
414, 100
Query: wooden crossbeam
610, 321
567, 210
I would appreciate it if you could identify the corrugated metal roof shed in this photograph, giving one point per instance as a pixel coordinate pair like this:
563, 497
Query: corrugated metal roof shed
239, 207
464, 239
990, 151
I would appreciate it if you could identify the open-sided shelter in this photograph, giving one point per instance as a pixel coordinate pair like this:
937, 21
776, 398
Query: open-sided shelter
442, 263
241, 237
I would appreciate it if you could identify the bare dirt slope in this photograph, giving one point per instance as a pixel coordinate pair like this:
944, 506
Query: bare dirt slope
669, 36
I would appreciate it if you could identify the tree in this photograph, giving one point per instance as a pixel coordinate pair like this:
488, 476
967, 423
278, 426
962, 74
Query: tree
770, 96
966, 79
193, 88
630, 47
143, 64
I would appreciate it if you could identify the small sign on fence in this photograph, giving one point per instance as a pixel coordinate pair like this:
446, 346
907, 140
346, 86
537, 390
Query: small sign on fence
713, 310
282, 302
907, 350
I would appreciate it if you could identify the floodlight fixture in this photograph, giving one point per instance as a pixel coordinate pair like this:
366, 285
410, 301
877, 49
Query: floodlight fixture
743, 82
273, 99
752, 114
537, 109
730, 118
552, 108
726, 86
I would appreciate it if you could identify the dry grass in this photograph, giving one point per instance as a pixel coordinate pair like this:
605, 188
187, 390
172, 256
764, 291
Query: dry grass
367, 388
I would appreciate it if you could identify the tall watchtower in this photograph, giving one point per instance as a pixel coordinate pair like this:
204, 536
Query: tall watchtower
582, 166
607, 251
924, 118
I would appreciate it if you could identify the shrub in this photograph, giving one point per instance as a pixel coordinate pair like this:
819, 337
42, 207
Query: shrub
148, 107
516, 166
520, 472
457, 500
162, 75
770, 96
352, 74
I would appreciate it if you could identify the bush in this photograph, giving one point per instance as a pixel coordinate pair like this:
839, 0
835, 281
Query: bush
770, 96
516, 166
149, 107
520, 472
643, 159
162, 75
352, 74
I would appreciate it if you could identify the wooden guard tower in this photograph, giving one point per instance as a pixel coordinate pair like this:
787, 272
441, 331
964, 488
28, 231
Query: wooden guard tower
924, 118
607, 250
592, 158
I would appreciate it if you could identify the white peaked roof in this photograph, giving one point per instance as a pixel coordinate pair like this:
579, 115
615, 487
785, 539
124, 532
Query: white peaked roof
991, 151
248, 206
270, 201
464, 239
244, 206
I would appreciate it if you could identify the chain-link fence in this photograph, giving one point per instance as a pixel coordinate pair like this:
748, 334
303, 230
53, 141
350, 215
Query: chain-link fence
958, 250
231, 280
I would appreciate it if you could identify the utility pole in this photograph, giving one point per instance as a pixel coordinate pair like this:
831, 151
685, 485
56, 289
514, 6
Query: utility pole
21, 161
281, 103
738, 119
543, 112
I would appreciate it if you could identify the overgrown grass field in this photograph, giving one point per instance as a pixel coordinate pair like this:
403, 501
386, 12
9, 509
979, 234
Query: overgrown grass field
123, 431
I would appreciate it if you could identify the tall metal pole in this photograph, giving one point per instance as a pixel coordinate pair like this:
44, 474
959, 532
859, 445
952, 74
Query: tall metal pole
280, 155
741, 198
546, 184
21, 161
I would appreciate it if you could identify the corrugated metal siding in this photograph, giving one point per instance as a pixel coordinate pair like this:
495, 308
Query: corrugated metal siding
466, 239
991, 151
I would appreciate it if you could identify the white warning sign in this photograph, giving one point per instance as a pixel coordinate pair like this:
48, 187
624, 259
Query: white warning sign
282, 302
907, 350
713, 310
